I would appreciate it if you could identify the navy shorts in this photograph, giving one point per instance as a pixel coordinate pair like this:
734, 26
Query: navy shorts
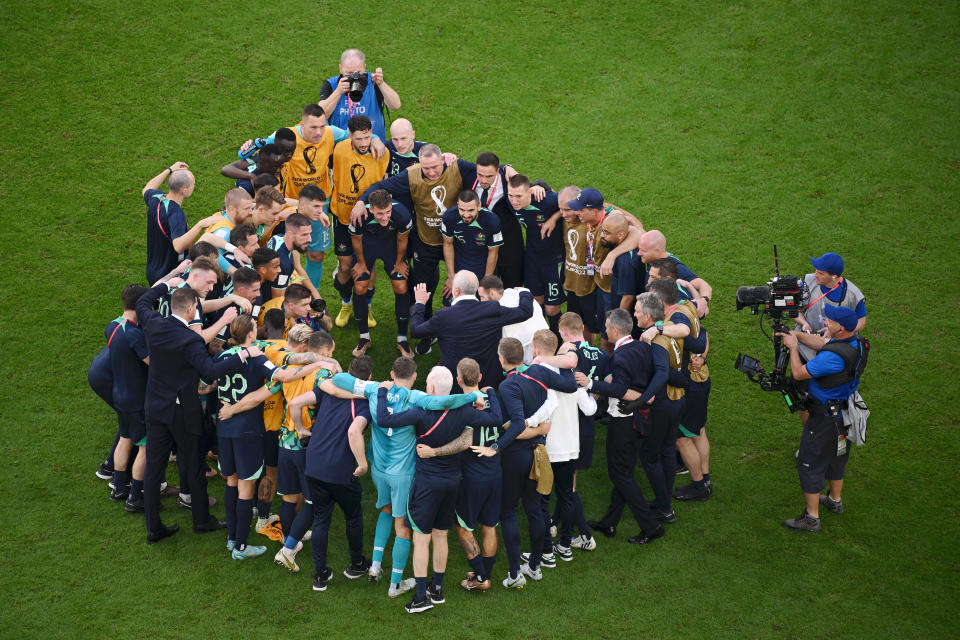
817, 459
342, 243
133, 425
544, 277
432, 504
587, 437
694, 416
291, 473
242, 456
479, 502
586, 308
271, 444
375, 251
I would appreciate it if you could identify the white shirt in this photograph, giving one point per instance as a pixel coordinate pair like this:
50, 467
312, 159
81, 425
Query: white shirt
459, 298
523, 331
563, 441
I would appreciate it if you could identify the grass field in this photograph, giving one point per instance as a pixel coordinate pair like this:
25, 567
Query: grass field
816, 125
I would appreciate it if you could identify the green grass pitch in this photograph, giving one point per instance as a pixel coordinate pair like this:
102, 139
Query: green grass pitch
730, 126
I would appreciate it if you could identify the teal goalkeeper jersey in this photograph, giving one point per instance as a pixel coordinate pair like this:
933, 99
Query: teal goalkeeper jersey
393, 450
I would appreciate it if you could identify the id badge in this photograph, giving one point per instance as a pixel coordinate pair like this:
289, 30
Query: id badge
591, 268
841, 445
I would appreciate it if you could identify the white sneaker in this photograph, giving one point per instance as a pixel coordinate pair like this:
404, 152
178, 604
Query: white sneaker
307, 536
375, 573
284, 560
564, 553
263, 523
536, 576
402, 587
587, 544
515, 583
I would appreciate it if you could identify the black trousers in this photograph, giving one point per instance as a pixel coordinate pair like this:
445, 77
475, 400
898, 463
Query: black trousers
622, 451
160, 439
426, 269
658, 450
347, 496
510, 259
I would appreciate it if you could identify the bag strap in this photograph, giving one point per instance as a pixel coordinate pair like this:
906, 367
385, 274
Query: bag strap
162, 200
110, 339
436, 424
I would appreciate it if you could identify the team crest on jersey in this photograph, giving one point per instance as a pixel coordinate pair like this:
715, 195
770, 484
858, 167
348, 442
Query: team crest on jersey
480, 239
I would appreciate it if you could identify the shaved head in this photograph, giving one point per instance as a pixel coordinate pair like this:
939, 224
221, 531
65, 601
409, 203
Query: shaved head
401, 126
653, 245
402, 135
615, 223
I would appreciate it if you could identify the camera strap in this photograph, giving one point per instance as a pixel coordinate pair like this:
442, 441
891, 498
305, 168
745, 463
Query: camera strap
824, 295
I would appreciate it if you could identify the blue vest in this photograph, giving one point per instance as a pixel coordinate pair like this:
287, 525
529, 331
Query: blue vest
368, 106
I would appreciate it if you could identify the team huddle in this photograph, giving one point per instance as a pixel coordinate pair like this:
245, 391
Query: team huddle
558, 310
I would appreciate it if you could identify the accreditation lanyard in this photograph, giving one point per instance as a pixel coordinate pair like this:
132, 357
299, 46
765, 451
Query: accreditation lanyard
824, 295
590, 237
491, 191
622, 341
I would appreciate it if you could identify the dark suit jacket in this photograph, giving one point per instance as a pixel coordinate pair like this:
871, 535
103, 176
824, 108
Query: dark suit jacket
178, 357
471, 329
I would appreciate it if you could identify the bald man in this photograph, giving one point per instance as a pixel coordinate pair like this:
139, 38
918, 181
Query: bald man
653, 246
340, 104
168, 238
623, 282
403, 146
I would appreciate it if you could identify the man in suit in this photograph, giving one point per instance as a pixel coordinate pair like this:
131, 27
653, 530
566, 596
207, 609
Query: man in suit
639, 373
468, 328
178, 357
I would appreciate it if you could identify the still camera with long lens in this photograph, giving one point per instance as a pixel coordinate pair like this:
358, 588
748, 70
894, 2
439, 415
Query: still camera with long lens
781, 297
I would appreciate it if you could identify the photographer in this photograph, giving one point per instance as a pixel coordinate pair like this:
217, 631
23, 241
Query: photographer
354, 92
827, 285
834, 375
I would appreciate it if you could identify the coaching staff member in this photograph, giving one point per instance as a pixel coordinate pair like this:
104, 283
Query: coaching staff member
468, 328
834, 375
178, 357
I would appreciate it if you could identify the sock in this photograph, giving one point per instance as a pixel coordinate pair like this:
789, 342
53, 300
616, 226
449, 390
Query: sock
288, 510
706, 477
244, 513
345, 289
121, 479
476, 563
109, 460
263, 508
361, 311
370, 295
421, 588
301, 524
230, 495
488, 562
381, 536
136, 490
401, 308
438, 579
315, 272
401, 550
554, 323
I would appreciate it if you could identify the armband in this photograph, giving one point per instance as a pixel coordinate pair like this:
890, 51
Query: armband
707, 298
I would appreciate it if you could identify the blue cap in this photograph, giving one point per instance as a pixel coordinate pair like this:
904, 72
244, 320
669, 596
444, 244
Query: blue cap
829, 262
587, 199
846, 318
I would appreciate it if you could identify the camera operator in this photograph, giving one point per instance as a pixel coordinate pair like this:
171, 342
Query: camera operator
827, 284
354, 92
834, 375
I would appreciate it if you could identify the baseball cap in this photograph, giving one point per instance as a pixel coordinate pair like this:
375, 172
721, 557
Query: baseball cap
847, 318
587, 199
829, 262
